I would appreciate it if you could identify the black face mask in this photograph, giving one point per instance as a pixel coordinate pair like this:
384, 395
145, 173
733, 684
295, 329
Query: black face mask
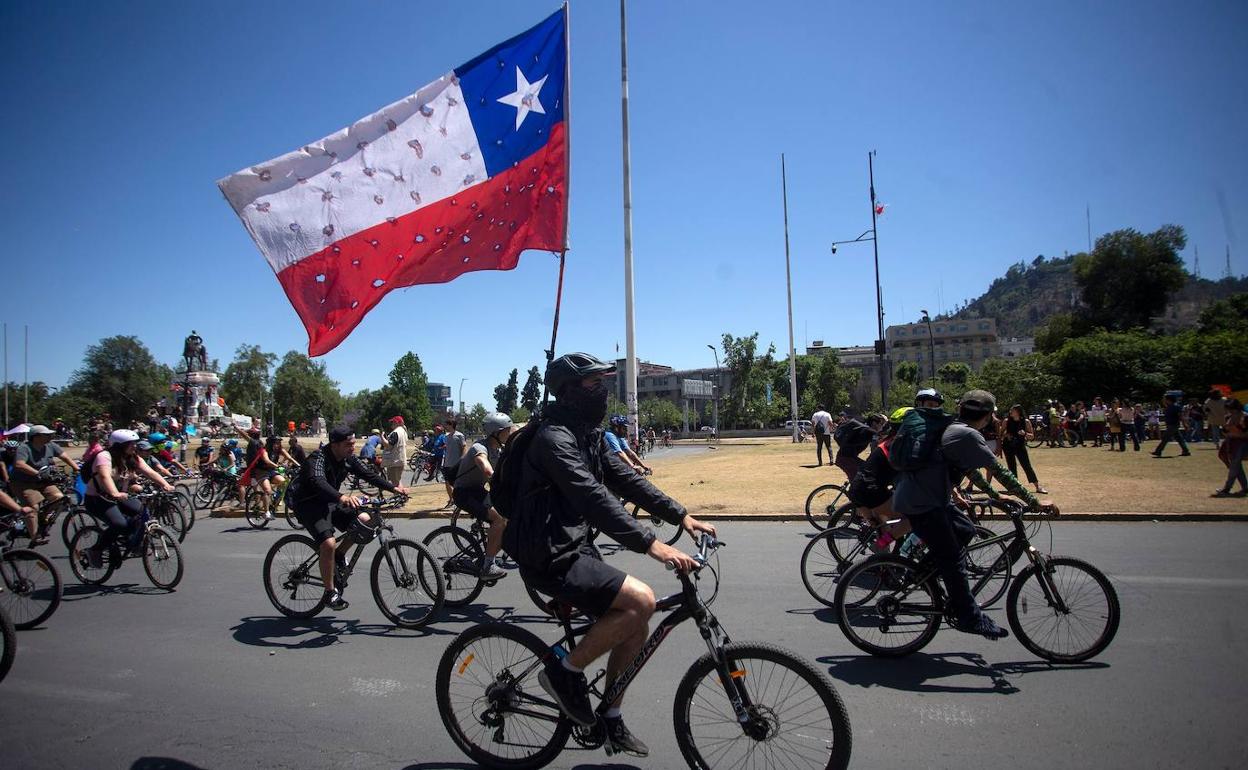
589, 405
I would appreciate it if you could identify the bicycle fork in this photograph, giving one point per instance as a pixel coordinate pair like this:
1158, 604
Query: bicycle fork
1044, 575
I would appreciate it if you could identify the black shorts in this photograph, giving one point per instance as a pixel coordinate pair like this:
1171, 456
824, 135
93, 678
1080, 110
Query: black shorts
587, 583
865, 492
474, 500
449, 472
321, 520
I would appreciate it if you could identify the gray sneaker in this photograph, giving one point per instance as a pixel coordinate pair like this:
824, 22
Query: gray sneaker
620, 739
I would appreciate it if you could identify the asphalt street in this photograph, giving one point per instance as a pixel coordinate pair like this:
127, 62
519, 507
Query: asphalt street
210, 676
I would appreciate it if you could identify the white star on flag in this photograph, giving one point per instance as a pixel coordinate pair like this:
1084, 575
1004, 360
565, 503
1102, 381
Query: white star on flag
525, 98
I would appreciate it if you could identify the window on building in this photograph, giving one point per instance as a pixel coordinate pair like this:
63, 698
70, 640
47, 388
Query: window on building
940, 328
983, 325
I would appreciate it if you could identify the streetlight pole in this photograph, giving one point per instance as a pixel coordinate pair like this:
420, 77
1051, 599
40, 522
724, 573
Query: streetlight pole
931, 344
717, 389
461, 394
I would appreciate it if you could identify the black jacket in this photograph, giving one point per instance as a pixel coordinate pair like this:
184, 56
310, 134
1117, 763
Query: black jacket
320, 477
568, 484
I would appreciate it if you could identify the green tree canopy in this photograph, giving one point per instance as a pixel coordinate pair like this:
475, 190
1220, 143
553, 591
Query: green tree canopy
1027, 380
1230, 314
409, 396
532, 391
507, 397
122, 377
246, 380
1129, 277
302, 389
659, 413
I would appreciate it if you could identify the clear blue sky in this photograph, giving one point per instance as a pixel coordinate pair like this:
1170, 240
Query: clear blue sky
996, 123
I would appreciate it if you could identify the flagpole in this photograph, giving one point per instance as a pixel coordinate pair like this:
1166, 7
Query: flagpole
879, 295
6, 376
567, 185
788, 284
630, 366
26, 374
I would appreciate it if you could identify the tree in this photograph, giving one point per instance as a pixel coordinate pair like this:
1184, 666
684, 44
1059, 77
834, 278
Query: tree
831, 383
246, 380
520, 415
122, 377
1112, 364
507, 396
659, 413
1230, 314
953, 377
532, 392
907, 372
408, 393
1129, 277
472, 422
302, 389
1027, 380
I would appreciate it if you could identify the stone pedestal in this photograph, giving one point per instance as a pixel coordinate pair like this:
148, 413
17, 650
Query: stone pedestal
202, 387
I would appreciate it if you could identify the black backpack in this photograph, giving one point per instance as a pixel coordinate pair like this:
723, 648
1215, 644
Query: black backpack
505, 483
918, 439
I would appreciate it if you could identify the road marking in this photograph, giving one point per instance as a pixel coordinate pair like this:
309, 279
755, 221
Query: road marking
1194, 582
949, 715
58, 692
377, 688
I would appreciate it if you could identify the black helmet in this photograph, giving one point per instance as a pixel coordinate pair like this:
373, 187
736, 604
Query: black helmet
572, 368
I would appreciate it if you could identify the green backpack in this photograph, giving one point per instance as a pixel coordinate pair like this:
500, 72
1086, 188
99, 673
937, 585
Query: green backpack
918, 439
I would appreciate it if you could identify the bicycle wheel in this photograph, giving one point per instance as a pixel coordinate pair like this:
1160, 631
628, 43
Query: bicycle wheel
187, 507
292, 577
171, 518
852, 537
1036, 443
76, 520
8, 644
988, 569
81, 561
1067, 615
796, 716
823, 563
822, 502
204, 495
407, 583
459, 555
253, 509
291, 518
162, 559
491, 702
884, 610
32, 587
666, 531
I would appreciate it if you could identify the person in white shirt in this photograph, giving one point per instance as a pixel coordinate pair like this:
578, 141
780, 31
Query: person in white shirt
821, 422
394, 455
455, 446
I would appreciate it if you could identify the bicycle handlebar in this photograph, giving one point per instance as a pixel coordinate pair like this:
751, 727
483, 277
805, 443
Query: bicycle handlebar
707, 544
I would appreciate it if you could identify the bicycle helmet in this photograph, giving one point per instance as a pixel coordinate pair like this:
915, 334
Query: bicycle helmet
145, 445
572, 368
10, 444
929, 393
900, 414
231, 443
619, 419
156, 437
122, 436
496, 422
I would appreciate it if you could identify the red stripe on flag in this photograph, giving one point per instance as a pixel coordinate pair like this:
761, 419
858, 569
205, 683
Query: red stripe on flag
485, 227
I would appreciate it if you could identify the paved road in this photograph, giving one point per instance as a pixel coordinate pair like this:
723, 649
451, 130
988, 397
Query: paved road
209, 676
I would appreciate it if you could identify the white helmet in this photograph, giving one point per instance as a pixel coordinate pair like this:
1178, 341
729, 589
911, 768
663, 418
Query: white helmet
122, 436
495, 422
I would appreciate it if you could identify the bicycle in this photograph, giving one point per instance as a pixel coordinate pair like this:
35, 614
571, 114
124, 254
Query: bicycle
889, 606
497, 713
459, 551
849, 539
32, 588
255, 496
824, 501
417, 589
215, 488
162, 559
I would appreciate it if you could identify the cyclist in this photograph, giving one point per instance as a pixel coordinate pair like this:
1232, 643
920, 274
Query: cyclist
163, 452
852, 437
114, 473
928, 398
568, 482
203, 455
296, 452
250, 454
616, 438
475, 469
144, 450
925, 497
651, 436
321, 508
871, 489
32, 474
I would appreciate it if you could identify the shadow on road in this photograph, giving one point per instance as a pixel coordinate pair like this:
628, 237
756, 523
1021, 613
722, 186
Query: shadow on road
467, 766
78, 592
162, 763
921, 672
311, 633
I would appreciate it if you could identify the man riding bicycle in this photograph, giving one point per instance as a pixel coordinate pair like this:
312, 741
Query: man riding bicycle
321, 508
616, 437
32, 475
567, 483
470, 477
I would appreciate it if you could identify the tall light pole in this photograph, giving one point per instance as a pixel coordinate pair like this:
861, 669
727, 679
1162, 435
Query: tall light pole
931, 343
879, 296
788, 282
461, 394
717, 389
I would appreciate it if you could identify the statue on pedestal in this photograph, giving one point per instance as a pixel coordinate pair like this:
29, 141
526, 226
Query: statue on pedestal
193, 351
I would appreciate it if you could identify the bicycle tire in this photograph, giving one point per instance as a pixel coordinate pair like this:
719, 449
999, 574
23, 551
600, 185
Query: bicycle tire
171, 518
1035, 443
851, 531
1019, 613
664, 530
817, 507
187, 506
448, 542
285, 573
162, 559
74, 521
821, 567
8, 644
494, 650
79, 561
33, 587
251, 509
866, 599
422, 561
291, 519
994, 559
808, 741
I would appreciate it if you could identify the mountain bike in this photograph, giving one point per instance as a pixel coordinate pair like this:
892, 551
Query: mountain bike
849, 539
145, 538
1061, 609
30, 584
8, 644
253, 504
740, 704
460, 552
214, 490
406, 579
823, 502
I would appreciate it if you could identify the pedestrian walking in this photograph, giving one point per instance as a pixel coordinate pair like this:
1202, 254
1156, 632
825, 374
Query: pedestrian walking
1234, 448
1174, 425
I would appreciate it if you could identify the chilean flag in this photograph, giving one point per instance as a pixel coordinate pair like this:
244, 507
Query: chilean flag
462, 175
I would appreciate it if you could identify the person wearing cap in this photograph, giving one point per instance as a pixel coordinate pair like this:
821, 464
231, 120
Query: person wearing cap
32, 474
566, 484
394, 450
453, 444
144, 452
926, 497
322, 509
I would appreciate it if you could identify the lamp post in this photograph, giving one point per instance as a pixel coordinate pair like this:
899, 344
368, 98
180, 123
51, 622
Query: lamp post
461, 394
879, 296
931, 343
717, 390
